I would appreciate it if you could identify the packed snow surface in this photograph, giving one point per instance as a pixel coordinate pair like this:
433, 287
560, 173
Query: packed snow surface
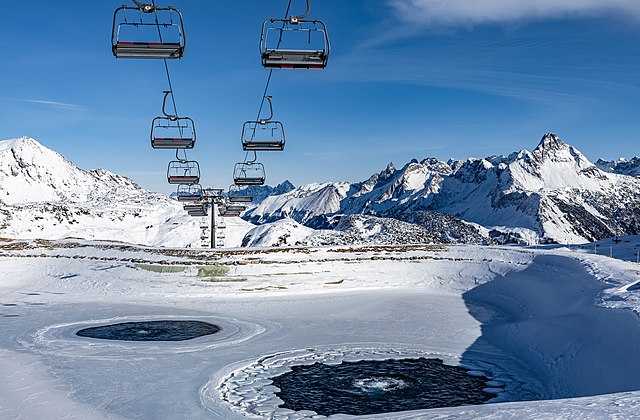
558, 327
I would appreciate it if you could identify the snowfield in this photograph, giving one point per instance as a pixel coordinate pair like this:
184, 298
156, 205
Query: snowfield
557, 327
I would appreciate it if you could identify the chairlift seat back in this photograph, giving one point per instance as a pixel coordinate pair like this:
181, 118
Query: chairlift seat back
158, 50
183, 179
240, 199
294, 59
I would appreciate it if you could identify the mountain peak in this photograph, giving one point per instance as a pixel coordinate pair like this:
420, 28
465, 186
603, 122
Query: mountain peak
550, 142
30, 173
19, 143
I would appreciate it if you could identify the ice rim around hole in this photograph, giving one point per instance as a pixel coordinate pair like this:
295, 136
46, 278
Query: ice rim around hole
246, 388
62, 339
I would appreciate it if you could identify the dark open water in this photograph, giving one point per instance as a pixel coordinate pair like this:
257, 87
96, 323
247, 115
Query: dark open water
372, 387
151, 331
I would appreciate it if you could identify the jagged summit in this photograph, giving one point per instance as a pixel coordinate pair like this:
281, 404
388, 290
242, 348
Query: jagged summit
549, 142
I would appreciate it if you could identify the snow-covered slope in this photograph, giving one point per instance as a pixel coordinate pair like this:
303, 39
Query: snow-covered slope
621, 166
554, 191
302, 204
278, 233
347, 230
43, 195
31, 173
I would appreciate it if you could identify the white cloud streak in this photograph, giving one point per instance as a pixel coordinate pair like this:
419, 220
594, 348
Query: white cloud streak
54, 104
473, 12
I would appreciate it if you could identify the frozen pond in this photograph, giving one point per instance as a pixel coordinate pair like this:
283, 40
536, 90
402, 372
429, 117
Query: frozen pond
543, 326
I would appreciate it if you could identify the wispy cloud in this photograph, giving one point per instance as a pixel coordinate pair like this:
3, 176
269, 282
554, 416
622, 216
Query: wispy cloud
54, 104
471, 12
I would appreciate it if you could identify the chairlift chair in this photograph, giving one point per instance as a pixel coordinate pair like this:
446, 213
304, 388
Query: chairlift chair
189, 193
196, 209
235, 196
183, 172
197, 213
295, 43
170, 131
263, 134
194, 206
248, 173
173, 133
230, 214
236, 209
148, 32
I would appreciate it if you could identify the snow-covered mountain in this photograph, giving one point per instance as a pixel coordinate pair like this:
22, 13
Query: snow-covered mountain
621, 166
554, 191
43, 195
302, 204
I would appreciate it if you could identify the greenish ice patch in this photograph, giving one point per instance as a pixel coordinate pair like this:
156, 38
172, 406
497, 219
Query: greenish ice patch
162, 268
213, 271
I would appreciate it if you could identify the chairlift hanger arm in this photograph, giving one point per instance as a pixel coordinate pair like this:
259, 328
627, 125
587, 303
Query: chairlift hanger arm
145, 7
181, 160
295, 19
252, 161
172, 117
264, 120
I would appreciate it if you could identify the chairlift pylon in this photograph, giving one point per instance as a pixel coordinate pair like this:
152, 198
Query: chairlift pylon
172, 132
263, 134
248, 173
294, 43
154, 34
183, 172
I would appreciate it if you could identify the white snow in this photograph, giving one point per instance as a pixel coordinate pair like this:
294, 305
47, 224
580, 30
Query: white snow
550, 324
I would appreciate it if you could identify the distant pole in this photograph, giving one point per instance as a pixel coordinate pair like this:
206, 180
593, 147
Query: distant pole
213, 225
610, 252
595, 248
638, 257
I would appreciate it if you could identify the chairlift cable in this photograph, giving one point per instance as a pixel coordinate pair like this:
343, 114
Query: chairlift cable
166, 69
166, 66
266, 88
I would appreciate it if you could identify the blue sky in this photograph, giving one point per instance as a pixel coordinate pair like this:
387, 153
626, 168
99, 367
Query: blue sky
406, 79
